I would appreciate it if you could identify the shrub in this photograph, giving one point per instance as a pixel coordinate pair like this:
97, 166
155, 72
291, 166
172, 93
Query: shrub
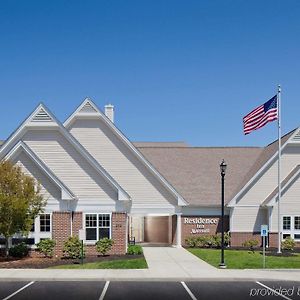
20, 250
251, 244
104, 245
72, 247
46, 247
288, 244
208, 241
190, 242
134, 250
204, 241
227, 238
218, 239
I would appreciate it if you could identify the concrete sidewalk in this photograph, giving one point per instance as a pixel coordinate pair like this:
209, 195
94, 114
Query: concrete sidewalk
165, 264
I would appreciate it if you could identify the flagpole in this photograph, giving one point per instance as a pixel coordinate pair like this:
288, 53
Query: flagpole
279, 166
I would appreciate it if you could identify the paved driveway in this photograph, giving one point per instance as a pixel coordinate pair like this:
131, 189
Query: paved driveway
175, 262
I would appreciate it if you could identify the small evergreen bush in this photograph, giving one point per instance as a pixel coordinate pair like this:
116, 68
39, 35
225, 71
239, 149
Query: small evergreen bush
19, 250
72, 247
251, 244
288, 244
104, 245
46, 247
208, 241
134, 250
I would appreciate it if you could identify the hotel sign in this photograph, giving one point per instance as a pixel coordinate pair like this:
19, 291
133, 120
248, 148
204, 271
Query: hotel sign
201, 224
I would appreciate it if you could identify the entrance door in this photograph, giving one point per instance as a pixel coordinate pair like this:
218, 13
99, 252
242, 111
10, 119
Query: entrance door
156, 229
137, 228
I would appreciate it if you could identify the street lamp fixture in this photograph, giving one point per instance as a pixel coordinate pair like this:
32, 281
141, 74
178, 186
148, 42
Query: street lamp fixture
223, 167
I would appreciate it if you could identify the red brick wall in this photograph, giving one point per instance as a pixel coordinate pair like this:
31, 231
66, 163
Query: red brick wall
238, 238
186, 230
77, 223
61, 228
119, 233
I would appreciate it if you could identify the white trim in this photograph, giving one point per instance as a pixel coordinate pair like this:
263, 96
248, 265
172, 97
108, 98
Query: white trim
178, 230
232, 202
66, 193
37, 234
180, 199
57, 124
247, 205
92, 242
230, 219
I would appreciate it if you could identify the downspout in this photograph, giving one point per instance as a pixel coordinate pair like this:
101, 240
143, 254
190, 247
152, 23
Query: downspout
71, 217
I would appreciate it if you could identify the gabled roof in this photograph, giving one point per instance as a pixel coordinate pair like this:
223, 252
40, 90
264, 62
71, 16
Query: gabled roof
66, 193
195, 171
41, 117
160, 144
269, 201
88, 109
264, 160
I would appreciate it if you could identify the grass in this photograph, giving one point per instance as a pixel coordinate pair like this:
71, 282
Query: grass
243, 259
135, 263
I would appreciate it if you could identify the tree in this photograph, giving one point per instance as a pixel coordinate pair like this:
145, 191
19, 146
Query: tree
21, 201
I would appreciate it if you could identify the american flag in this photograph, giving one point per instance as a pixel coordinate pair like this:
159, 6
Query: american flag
261, 115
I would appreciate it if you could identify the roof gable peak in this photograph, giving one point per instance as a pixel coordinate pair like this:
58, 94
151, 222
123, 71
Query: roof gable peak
88, 106
295, 138
41, 114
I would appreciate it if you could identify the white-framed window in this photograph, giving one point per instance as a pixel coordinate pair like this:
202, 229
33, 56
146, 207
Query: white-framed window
45, 223
286, 222
291, 227
42, 227
97, 226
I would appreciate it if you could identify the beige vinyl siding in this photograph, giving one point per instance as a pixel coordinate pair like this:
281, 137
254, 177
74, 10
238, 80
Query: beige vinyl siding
248, 219
69, 165
268, 181
48, 189
122, 164
290, 204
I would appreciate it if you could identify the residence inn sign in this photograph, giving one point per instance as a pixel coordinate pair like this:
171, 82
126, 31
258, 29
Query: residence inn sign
199, 225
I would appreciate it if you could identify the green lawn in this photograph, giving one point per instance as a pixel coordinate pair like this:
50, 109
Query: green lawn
243, 259
135, 263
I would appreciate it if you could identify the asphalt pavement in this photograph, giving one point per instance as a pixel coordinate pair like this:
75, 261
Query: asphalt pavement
140, 290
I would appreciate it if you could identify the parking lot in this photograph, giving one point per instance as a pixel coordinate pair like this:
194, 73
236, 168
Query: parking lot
135, 290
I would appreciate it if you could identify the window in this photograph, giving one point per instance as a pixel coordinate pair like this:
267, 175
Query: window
297, 236
286, 223
104, 226
45, 223
297, 222
291, 227
91, 227
97, 226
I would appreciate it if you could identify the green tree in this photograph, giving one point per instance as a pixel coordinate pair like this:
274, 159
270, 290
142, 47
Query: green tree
21, 201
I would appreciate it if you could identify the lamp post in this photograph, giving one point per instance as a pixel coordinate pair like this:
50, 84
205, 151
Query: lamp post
222, 170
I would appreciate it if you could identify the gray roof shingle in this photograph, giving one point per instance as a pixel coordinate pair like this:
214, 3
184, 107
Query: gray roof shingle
195, 172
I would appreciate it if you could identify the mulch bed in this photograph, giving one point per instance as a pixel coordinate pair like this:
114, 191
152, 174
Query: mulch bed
44, 262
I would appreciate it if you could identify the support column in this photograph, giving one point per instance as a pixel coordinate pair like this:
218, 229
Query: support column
178, 231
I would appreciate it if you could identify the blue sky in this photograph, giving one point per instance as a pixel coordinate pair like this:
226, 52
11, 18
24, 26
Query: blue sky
175, 70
